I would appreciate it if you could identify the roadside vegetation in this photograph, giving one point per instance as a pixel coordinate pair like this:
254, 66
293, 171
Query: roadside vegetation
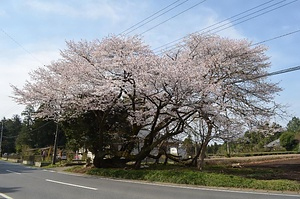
213, 176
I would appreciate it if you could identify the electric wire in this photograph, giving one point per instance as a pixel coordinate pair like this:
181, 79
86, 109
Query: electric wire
256, 16
175, 46
40, 127
232, 17
291, 69
231, 25
155, 17
277, 37
22, 47
25, 50
149, 17
172, 17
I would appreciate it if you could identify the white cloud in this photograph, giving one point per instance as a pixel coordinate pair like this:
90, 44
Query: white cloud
15, 71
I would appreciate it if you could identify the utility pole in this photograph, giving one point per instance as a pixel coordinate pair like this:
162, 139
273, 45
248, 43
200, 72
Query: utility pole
1, 136
55, 145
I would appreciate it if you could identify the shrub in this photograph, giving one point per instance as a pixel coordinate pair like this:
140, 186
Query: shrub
288, 141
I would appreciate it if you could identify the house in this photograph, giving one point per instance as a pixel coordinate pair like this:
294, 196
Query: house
273, 145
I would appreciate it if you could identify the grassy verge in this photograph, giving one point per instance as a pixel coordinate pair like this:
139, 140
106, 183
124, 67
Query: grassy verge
213, 176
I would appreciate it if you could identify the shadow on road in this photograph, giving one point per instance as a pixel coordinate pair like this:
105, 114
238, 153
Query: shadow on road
9, 189
7, 168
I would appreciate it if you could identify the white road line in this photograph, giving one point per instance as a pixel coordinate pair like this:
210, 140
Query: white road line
51, 171
13, 172
64, 173
73, 185
206, 189
5, 196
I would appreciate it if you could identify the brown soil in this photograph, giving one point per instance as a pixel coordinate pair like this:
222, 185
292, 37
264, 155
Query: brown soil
283, 168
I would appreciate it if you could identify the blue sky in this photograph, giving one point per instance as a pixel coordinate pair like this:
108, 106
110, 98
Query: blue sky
32, 32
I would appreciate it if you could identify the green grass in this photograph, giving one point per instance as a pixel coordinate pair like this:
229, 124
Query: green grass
213, 176
256, 173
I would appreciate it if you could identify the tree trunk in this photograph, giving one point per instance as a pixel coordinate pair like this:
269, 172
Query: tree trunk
98, 160
194, 160
137, 164
200, 162
145, 150
166, 160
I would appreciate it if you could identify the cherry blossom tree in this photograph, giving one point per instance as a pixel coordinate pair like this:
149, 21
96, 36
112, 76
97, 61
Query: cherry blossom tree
210, 78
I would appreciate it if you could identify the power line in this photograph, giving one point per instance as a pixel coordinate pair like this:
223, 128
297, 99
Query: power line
257, 15
291, 69
153, 18
276, 72
215, 24
282, 71
230, 23
9, 137
173, 17
23, 48
277, 37
40, 127
150, 16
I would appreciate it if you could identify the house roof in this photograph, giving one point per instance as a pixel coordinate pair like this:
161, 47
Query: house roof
275, 143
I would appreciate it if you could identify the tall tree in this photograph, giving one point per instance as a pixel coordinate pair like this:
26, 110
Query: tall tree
294, 125
37, 132
210, 78
11, 129
288, 141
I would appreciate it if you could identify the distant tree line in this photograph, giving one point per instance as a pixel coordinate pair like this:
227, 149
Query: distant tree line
19, 135
257, 141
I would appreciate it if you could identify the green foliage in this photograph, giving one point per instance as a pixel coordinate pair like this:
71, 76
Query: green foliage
189, 146
238, 178
294, 125
251, 154
98, 129
36, 133
256, 141
214, 148
288, 141
11, 129
39, 134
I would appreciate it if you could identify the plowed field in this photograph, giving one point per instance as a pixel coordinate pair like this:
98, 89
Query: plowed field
283, 169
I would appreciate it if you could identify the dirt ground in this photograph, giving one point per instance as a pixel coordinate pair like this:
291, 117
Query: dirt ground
283, 168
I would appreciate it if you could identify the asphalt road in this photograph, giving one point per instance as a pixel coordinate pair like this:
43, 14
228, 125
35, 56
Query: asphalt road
21, 182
